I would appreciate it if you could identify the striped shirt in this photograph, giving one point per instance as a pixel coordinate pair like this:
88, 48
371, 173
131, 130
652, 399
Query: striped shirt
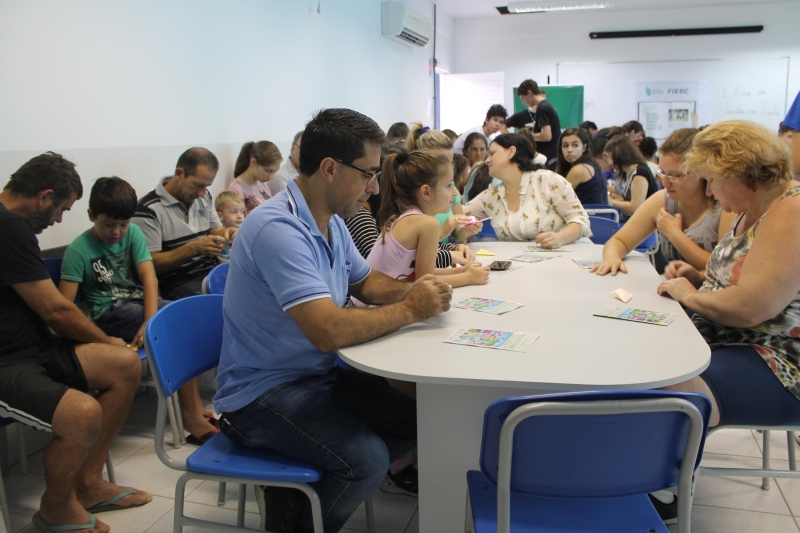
167, 224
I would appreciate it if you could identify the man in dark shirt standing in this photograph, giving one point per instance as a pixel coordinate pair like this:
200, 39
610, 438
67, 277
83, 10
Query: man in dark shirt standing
44, 378
541, 116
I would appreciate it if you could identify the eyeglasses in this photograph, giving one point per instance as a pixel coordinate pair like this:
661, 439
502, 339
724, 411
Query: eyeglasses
662, 176
369, 175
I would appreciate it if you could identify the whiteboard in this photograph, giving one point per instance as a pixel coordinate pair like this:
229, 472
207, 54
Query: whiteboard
752, 89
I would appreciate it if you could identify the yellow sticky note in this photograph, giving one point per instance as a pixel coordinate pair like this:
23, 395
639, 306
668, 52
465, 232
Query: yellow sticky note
484, 252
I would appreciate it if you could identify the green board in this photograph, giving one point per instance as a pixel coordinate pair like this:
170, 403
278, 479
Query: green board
567, 99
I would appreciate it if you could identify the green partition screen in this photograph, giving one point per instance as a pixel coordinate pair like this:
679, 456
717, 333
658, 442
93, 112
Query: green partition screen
567, 99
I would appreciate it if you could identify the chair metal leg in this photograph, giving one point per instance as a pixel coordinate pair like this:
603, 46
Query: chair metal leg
765, 458
370, 515
221, 493
792, 450
180, 494
4, 509
179, 418
4, 460
23, 449
173, 424
112, 476
316, 508
240, 510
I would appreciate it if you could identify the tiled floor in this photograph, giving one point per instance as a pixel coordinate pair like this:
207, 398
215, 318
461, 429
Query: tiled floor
726, 505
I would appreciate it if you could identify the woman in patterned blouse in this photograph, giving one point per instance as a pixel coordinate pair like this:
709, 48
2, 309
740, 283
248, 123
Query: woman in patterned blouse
531, 203
746, 300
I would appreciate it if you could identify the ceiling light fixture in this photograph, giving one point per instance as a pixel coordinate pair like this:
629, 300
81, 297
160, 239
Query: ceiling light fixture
536, 7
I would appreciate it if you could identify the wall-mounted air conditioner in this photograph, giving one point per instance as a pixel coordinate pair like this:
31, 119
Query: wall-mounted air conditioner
404, 25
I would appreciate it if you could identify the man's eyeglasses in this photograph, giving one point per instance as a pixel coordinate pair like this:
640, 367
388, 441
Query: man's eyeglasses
368, 175
662, 176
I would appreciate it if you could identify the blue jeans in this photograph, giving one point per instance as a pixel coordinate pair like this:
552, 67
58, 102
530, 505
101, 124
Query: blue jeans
124, 318
349, 424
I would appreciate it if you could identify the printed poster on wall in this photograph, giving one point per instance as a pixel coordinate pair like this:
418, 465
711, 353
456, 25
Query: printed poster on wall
665, 106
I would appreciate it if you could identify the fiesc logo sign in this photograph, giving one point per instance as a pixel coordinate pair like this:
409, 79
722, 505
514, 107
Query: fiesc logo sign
677, 91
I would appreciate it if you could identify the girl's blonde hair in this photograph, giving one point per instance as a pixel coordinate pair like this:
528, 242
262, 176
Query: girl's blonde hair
402, 176
742, 151
423, 138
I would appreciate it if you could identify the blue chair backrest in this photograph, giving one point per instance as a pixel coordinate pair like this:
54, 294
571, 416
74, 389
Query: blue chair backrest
53, 266
584, 456
589, 207
647, 244
602, 229
217, 279
184, 339
487, 230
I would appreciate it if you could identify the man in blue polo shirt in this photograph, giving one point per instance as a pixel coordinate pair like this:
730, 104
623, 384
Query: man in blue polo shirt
293, 263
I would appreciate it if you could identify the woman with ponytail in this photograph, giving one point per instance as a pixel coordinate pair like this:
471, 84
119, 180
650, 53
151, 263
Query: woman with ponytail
255, 166
530, 203
414, 187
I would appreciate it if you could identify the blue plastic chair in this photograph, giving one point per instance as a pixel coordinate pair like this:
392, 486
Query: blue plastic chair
486, 234
586, 461
603, 210
602, 229
183, 340
216, 279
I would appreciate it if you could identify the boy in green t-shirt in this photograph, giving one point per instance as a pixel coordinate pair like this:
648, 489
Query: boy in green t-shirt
111, 265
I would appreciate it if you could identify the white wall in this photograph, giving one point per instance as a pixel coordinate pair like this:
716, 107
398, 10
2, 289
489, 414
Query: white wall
124, 87
530, 46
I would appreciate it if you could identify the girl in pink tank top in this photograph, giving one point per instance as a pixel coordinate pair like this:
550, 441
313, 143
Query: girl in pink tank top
417, 186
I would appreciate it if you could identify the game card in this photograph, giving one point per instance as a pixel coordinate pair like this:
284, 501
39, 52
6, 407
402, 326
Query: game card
532, 258
586, 263
637, 315
486, 305
490, 338
539, 248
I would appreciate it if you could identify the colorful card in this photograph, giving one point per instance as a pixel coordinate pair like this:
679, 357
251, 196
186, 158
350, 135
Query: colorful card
586, 263
511, 268
484, 252
532, 258
490, 338
539, 248
637, 315
486, 305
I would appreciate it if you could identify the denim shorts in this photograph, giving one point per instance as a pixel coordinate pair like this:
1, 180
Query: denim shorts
124, 318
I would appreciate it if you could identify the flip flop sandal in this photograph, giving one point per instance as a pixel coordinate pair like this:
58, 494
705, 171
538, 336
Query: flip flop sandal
211, 420
199, 441
44, 525
111, 505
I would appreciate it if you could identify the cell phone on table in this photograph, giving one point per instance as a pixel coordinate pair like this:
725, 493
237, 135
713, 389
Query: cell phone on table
499, 265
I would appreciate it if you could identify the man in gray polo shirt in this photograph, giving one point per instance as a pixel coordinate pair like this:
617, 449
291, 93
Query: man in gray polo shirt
184, 234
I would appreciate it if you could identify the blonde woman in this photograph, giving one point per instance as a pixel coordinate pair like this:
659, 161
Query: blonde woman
746, 299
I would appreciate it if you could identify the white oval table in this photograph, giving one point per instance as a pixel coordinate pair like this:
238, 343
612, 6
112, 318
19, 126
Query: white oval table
575, 351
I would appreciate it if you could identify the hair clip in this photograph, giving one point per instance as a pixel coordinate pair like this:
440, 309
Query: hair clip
423, 130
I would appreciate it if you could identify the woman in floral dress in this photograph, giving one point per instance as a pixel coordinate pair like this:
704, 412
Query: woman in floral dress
746, 301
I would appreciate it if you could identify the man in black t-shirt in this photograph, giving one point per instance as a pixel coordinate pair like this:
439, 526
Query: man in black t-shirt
541, 116
44, 378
